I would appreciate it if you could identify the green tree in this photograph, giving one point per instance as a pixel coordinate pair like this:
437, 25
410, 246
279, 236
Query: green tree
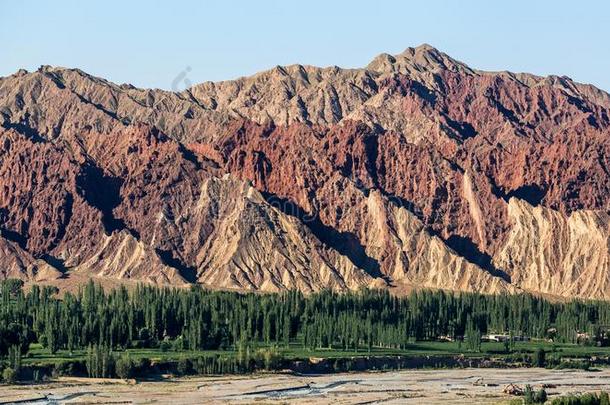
100, 361
540, 357
9, 375
124, 366
14, 358
528, 395
540, 396
185, 366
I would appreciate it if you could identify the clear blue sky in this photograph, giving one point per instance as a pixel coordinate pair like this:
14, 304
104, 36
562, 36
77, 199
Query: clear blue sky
148, 43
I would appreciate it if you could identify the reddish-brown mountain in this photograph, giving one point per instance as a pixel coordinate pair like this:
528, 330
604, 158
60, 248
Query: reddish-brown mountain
416, 171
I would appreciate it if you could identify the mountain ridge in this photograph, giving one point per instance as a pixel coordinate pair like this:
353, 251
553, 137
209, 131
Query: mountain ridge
403, 172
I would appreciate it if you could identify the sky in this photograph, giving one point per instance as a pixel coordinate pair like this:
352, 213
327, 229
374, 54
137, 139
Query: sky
173, 43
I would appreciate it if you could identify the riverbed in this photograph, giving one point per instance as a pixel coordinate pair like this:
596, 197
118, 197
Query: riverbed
455, 386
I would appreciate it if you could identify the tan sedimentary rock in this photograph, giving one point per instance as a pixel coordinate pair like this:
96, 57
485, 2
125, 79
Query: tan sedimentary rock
122, 256
254, 246
555, 253
414, 256
17, 263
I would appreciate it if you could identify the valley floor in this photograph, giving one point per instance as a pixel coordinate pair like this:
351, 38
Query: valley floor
456, 386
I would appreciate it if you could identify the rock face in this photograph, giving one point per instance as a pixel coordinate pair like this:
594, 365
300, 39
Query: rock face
121, 255
415, 171
17, 263
256, 246
571, 252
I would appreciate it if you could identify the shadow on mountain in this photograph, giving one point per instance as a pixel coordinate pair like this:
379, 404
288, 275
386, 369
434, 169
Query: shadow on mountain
345, 243
188, 272
531, 193
13, 236
55, 262
470, 251
24, 130
17, 238
103, 193
463, 129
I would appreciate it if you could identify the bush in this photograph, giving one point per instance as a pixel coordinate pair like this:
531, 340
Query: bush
63, 368
179, 344
588, 399
9, 375
540, 396
584, 399
270, 358
528, 398
142, 366
125, 367
138, 344
185, 366
540, 357
574, 364
165, 346
534, 397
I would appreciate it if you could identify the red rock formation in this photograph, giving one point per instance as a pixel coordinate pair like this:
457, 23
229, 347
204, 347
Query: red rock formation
401, 172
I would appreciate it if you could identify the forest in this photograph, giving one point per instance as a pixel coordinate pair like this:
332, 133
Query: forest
197, 318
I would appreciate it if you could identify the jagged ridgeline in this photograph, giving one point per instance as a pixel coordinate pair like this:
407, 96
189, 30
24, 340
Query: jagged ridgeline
416, 171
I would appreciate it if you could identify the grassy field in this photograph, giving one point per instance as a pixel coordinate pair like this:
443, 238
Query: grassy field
40, 355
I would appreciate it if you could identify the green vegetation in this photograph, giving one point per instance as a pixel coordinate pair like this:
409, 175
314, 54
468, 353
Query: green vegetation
125, 367
119, 332
9, 375
295, 351
540, 357
532, 397
601, 398
100, 361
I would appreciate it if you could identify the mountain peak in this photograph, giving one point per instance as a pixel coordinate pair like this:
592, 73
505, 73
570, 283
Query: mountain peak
426, 46
423, 48
420, 59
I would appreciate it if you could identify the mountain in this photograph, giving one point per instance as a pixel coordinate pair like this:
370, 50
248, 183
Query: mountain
416, 171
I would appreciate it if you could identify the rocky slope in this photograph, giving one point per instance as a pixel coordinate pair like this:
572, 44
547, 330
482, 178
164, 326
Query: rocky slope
571, 252
415, 171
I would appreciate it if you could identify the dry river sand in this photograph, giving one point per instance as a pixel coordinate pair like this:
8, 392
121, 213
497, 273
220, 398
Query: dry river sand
460, 386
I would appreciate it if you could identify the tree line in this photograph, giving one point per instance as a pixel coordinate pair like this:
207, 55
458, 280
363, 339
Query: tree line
199, 319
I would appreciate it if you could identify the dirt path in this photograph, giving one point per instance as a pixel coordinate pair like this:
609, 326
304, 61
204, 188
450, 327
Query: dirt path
460, 386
